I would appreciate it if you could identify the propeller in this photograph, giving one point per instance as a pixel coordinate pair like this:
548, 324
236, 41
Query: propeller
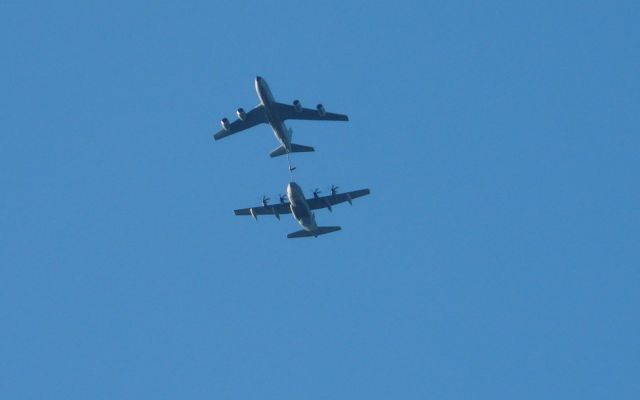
265, 201
316, 192
334, 190
283, 198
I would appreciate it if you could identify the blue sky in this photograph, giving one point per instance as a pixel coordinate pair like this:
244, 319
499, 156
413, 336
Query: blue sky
497, 256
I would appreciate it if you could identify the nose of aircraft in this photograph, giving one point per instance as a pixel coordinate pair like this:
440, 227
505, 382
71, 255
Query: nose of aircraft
258, 78
293, 189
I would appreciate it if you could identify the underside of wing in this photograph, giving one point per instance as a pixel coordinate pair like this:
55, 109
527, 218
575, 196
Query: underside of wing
275, 209
316, 203
286, 111
245, 121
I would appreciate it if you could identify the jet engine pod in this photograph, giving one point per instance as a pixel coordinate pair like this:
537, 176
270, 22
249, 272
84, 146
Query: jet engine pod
225, 124
297, 105
321, 110
241, 114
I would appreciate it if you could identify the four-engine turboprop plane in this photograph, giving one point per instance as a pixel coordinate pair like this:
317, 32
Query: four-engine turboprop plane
271, 112
302, 209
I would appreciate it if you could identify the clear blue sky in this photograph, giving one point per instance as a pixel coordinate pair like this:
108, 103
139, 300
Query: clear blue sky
497, 257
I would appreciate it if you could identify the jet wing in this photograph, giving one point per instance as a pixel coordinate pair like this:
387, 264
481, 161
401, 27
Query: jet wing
271, 209
252, 118
286, 111
316, 203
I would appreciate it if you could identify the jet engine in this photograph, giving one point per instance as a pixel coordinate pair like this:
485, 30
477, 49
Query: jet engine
225, 124
241, 114
321, 110
297, 105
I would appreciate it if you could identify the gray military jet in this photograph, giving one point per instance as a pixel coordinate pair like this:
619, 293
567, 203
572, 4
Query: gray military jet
301, 208
271, 112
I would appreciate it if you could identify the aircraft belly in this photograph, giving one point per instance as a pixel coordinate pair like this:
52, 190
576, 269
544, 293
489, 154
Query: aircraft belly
299, 206
299, 212
276, 125
279, 135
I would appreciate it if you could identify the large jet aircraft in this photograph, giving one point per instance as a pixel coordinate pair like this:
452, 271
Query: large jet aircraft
301, 208
271, 112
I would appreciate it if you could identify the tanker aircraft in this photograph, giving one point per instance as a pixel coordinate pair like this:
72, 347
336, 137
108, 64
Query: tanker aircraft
271, 112
301, 208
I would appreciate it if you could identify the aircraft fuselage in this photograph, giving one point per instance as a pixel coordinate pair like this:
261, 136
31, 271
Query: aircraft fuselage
300, 208
266, 99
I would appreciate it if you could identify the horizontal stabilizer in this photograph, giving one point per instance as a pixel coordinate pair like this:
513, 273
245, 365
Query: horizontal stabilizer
280, 151
320, 231
298, 148
295, 148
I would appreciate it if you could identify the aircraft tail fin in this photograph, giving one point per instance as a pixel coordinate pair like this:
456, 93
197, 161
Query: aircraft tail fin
295, 148
320, 231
